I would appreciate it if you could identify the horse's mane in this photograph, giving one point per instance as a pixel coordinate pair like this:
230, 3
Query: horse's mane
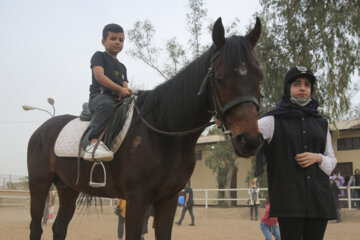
176, 99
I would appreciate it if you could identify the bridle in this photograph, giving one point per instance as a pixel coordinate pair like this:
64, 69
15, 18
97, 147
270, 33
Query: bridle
219, 110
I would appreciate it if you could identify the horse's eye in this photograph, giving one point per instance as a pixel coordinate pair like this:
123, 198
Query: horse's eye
219, 81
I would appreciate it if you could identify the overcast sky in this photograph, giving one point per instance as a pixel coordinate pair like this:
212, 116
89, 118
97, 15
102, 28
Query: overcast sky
46, 46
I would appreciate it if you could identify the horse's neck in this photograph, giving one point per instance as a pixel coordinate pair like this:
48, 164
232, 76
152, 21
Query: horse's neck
186, 109
175, 105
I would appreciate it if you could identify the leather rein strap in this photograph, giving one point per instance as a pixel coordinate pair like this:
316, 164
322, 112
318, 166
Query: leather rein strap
182, 133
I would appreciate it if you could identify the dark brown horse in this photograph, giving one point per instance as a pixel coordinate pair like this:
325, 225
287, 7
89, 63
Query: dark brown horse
151, 167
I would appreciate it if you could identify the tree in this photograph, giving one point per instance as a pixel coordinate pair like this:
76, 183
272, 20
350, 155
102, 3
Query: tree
323, 35
221, 161
145, 50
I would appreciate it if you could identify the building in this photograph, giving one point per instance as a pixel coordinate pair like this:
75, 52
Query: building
346, 144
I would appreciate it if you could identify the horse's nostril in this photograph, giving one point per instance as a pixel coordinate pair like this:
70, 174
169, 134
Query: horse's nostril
240, 139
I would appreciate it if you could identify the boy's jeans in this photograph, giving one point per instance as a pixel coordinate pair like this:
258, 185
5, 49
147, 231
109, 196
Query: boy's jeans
268, 230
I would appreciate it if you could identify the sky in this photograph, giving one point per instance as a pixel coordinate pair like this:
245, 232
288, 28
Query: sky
46, 46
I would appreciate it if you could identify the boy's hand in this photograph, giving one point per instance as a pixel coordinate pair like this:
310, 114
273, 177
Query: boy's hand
124, 92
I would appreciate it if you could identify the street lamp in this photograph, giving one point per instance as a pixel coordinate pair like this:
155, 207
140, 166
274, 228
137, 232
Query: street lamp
50, 101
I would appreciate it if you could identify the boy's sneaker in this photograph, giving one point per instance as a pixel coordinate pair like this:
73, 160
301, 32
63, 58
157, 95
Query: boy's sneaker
102, 153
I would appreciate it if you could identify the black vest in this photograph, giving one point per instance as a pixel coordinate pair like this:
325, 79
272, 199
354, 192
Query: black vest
295, 191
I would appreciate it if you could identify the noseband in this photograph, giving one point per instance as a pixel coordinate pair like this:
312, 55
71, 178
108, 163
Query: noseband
219, 110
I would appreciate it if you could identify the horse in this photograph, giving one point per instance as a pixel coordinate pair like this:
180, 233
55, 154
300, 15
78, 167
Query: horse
157, 157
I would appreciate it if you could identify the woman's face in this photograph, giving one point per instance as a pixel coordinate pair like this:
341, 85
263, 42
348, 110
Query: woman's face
300, 88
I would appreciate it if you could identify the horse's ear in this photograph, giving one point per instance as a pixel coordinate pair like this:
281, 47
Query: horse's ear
254, 35
218, 34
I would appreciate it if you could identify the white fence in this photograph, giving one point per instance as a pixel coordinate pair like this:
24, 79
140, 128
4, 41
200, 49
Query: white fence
206, 199
13, 182
22, 198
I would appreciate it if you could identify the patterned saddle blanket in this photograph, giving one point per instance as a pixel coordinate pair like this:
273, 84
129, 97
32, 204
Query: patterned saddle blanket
70, 138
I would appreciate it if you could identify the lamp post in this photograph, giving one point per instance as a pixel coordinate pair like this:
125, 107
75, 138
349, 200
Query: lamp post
50, 101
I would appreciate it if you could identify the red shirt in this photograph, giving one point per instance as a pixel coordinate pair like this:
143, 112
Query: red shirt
265, 219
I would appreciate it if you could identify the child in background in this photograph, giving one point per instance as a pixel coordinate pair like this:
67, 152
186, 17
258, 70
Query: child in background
269, 225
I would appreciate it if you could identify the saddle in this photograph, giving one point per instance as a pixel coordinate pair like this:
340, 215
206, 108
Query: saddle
74, 137
114, 126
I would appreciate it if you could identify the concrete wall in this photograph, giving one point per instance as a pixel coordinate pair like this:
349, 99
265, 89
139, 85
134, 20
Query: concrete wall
347, 155
203, 177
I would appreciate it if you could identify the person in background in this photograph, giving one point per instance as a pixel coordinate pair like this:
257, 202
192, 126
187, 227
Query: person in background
254, 199
355, 181
149, 213
120, 210
335, 192
339, 181
269, 225
188, 205
50, 200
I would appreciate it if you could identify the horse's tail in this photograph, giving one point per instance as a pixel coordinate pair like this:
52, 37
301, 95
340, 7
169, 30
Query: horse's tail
87, 204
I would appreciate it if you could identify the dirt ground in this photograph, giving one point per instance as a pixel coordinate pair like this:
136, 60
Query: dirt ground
211, 223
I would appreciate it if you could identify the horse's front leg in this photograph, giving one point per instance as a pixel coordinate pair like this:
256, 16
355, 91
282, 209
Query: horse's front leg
135, 217
164, 217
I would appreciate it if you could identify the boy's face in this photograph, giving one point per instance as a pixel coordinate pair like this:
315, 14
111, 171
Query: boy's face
114, 43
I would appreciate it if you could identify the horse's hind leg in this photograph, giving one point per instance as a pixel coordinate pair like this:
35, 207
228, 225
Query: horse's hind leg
39, 189
67, 204
164, 217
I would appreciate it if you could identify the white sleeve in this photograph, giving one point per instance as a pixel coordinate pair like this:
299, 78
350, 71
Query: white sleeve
329, 161
266, 127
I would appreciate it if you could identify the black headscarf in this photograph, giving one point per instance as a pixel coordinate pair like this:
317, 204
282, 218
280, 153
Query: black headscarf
288, 109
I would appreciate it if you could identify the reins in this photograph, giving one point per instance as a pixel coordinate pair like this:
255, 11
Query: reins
182, 133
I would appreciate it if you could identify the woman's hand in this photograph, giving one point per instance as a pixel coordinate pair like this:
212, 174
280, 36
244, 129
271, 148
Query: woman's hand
307, 159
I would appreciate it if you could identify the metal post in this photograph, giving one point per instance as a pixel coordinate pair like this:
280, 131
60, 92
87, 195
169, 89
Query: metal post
349, 198
206, 198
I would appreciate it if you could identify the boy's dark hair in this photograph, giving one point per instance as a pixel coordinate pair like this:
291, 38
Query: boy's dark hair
112, 27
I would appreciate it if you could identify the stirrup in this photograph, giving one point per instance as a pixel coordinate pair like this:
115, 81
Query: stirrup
97, 184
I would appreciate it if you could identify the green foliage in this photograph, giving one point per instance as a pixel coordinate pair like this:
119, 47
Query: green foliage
145, 50
221, 159
323, 35
194, 20
141, 36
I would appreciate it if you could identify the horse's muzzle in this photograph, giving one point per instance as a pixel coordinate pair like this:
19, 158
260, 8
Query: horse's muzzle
246, 146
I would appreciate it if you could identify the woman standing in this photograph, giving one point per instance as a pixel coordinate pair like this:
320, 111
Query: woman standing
300, 159
254, 199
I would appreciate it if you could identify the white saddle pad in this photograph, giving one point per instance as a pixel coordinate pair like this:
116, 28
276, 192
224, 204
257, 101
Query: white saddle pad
68, 142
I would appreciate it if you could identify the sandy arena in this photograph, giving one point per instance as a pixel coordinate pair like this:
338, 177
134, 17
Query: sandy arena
211, 223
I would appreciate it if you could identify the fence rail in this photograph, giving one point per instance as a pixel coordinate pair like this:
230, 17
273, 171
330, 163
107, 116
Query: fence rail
22, 198
206, 197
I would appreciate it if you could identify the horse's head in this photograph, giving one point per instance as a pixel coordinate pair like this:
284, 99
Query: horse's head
235, 83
